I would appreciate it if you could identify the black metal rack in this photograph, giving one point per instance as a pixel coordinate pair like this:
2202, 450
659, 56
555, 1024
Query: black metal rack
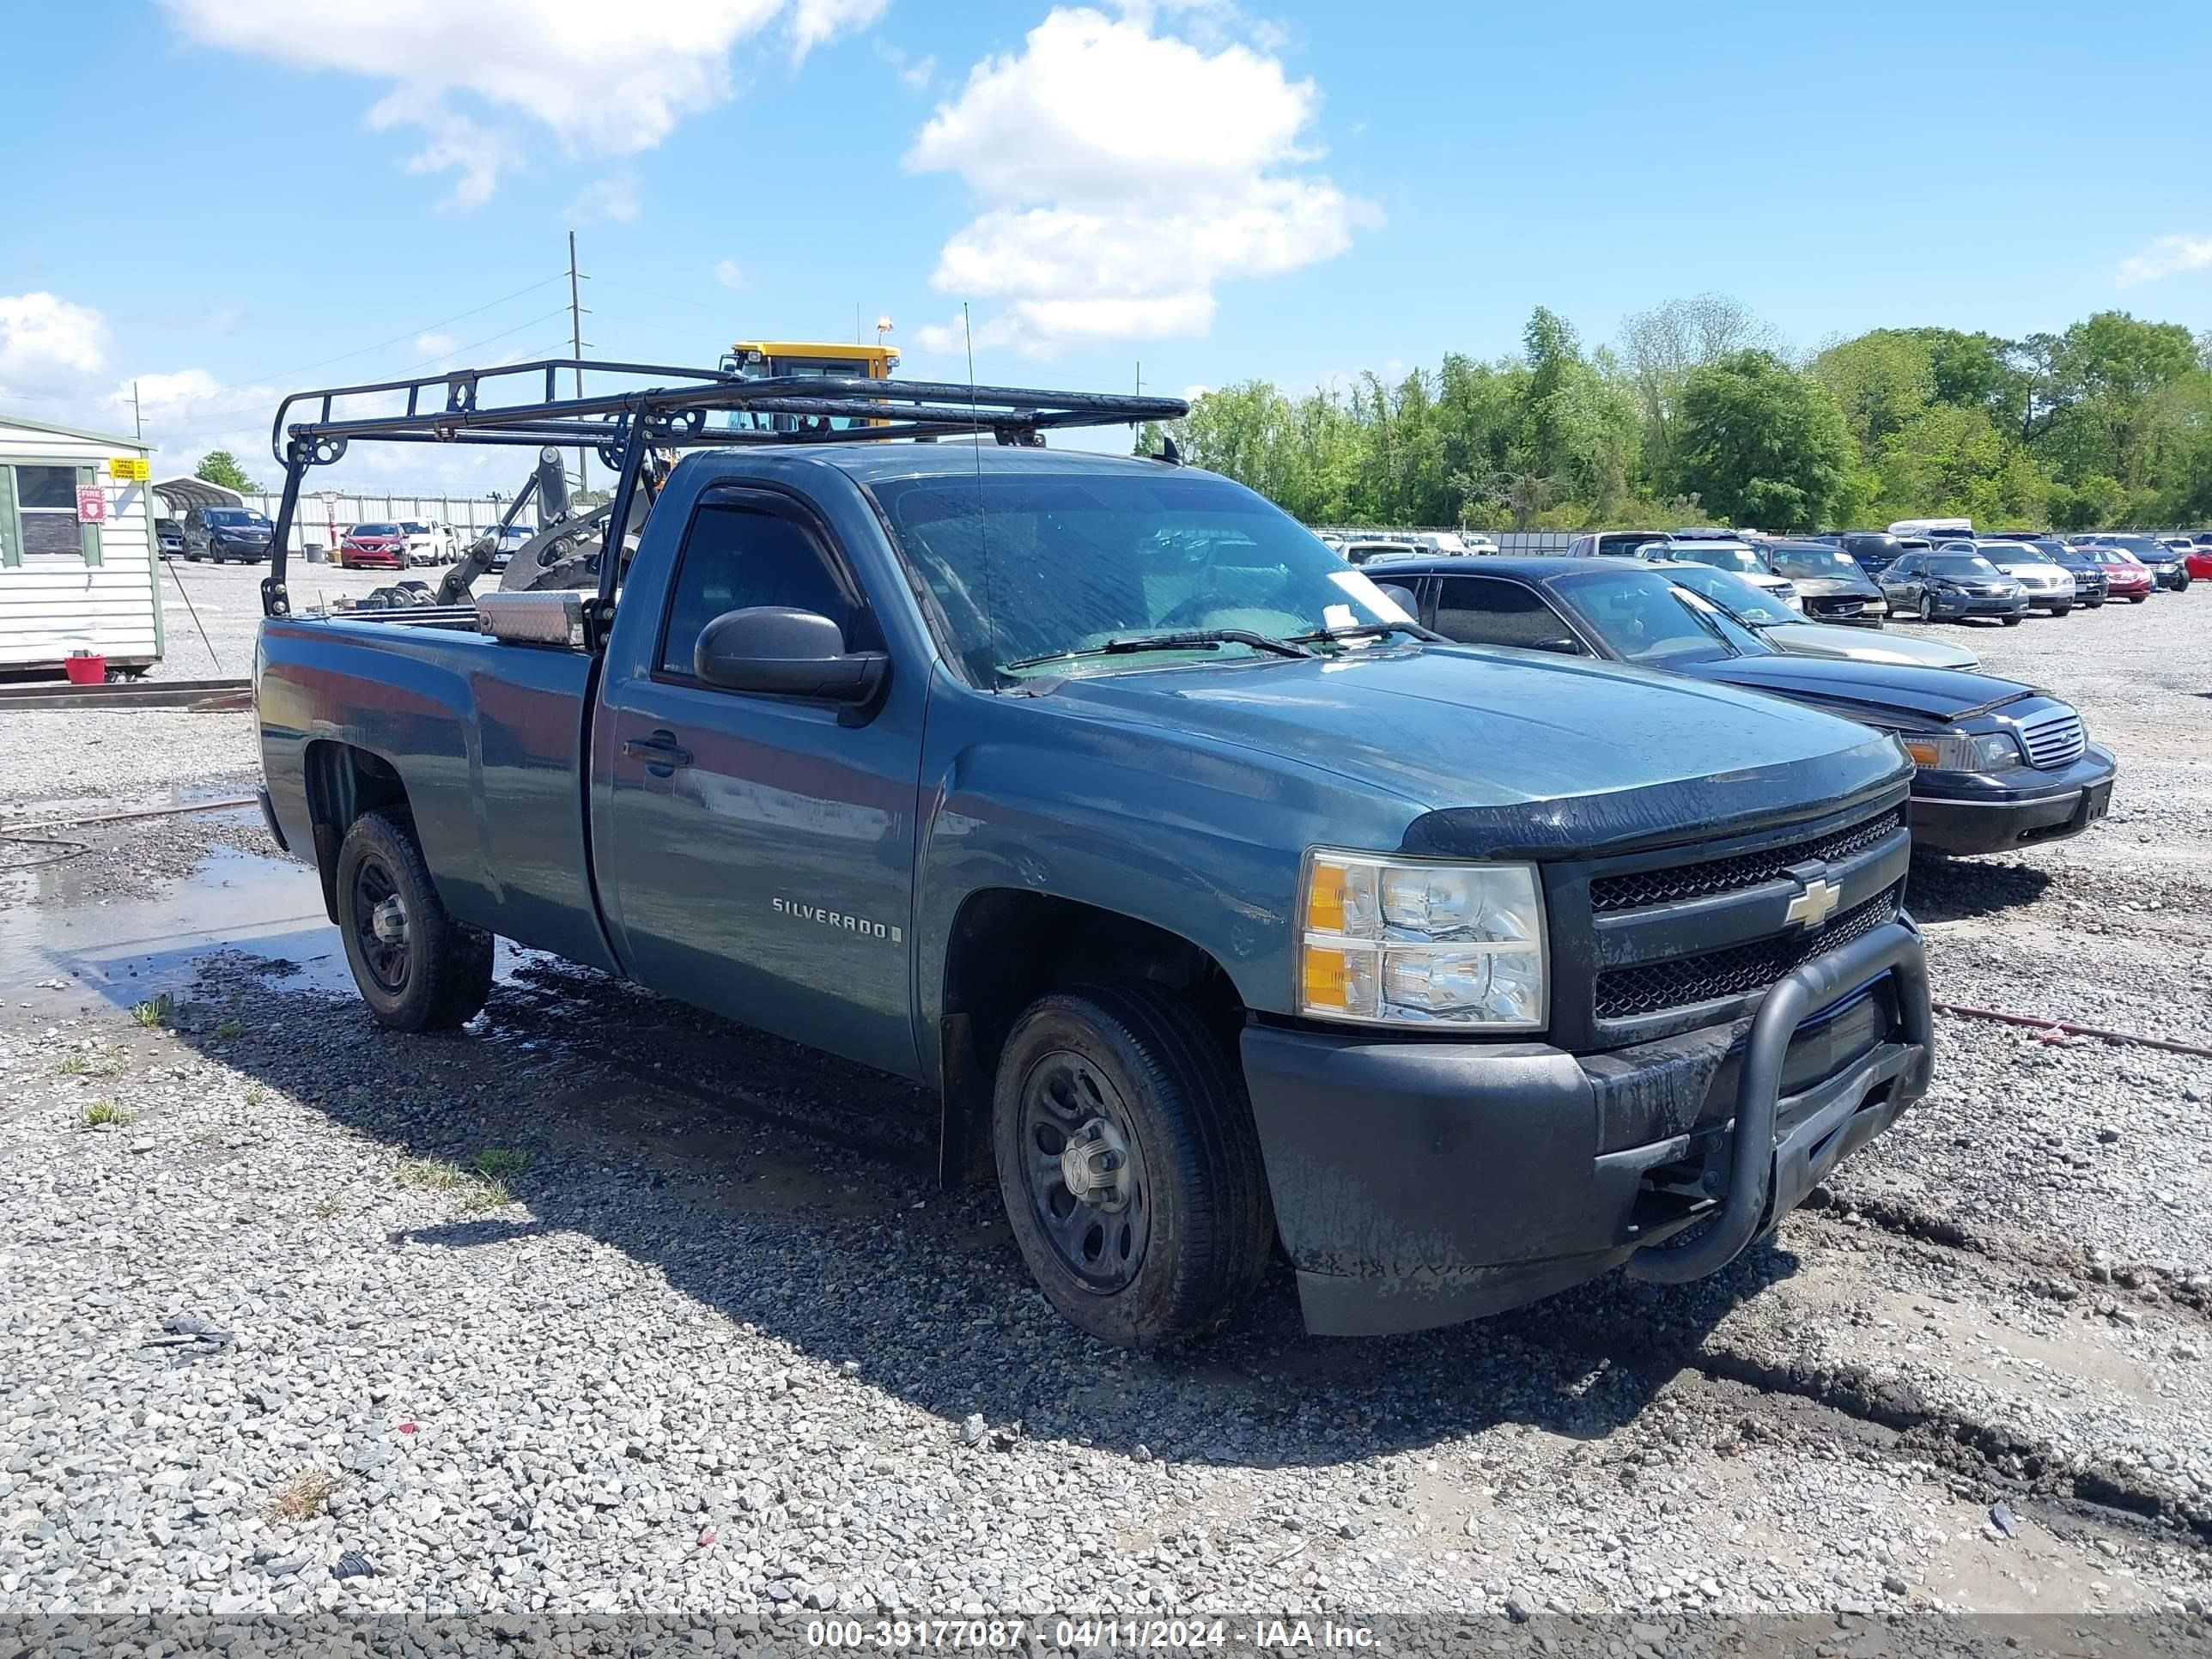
626, 424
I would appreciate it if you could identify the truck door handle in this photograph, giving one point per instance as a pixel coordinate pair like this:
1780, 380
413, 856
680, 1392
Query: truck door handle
661, 749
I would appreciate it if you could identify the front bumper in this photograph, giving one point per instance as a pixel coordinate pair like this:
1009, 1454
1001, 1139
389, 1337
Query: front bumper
1980, 605
1846, 611
1418, 1183
1964, 813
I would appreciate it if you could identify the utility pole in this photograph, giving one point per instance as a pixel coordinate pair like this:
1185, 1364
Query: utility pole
576, 350
137, 424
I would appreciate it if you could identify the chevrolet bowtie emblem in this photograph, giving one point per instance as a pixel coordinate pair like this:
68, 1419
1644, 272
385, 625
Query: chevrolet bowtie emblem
1811, 906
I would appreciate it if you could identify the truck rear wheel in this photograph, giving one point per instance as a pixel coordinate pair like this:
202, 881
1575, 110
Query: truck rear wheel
1129, 1164
416, 968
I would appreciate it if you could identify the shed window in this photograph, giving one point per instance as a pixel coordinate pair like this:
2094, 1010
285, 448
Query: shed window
38, 513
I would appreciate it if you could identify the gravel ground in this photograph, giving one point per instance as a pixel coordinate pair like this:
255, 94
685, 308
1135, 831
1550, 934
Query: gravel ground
210, 612
607, 1306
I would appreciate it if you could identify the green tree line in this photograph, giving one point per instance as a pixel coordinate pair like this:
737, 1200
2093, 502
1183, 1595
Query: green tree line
1697, 412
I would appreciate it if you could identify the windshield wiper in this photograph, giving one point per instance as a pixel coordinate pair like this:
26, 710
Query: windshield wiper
1369, 631
1198, 638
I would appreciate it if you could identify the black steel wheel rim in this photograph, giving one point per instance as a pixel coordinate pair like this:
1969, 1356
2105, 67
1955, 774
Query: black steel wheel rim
385, 957
1075, 1121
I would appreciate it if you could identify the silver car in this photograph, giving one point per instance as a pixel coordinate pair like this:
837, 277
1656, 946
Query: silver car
1785, 630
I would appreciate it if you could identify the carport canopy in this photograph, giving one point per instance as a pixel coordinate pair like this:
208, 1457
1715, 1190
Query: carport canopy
181, 495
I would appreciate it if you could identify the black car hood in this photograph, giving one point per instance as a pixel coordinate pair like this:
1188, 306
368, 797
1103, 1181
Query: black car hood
1874, 688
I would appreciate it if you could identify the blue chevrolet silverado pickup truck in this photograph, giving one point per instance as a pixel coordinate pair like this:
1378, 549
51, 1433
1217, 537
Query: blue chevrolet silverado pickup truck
1225, 908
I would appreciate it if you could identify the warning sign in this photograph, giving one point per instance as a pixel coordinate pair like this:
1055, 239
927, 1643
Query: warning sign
91, 504
129, 469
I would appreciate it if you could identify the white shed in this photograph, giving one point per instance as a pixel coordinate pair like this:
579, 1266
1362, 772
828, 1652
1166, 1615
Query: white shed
77, 570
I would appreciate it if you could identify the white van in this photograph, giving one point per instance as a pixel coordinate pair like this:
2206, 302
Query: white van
1935, 530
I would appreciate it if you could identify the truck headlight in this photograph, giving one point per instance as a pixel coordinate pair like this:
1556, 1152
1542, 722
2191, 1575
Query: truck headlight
1954, 751
1399, 941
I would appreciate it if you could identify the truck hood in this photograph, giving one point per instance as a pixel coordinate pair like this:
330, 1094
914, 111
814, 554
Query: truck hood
1466, 727
1877, 688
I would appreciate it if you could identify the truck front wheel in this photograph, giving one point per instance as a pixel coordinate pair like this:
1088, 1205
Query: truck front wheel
417, 968
1129, 1164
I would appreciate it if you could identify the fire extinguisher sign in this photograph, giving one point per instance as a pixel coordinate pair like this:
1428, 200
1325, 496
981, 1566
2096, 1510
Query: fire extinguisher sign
91, 504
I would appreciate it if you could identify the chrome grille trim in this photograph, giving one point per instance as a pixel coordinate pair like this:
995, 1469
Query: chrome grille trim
2053, 737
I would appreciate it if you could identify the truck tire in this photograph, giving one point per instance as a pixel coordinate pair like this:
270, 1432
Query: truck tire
416, 968
1123, 1092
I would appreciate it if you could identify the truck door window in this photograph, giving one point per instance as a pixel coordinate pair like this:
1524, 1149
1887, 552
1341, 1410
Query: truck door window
1480, 610
736, 557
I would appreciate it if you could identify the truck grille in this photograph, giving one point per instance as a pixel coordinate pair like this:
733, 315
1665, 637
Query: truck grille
1739, 970
1684, 881
2054, 738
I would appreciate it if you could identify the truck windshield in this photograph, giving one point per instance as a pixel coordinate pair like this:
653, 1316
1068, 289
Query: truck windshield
1052, 563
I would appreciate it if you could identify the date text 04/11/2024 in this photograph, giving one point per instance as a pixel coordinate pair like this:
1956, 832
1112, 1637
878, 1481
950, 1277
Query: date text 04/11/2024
1285, 1635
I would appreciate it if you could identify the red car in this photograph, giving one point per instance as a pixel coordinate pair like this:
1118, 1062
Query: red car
2123, 578
373, 547
2198, 560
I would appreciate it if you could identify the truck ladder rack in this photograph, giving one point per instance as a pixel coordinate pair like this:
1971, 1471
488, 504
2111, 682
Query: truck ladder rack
670, 410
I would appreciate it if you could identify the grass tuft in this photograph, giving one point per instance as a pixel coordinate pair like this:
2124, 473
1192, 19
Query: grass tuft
230, 1028
255, 1094
154, 1010
436, 1175
495, 1163
101, 1113
302, 1496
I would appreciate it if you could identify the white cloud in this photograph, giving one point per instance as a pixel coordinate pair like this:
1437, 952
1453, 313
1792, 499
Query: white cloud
612, 198
728, 274
2166, 256
1124, 174
816, 22
47, 342
428, 346
604, 80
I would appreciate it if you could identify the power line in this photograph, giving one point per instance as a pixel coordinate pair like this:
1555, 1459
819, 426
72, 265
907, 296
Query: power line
412, 334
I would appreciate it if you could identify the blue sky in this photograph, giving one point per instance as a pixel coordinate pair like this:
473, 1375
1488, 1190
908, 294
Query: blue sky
216, 196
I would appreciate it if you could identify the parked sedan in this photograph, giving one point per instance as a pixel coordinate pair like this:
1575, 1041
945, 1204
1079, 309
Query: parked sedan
2126, 576
2001, 764
2198, 562
2050, 584
1829, 583
1785, 630
169, 537
1951, 586
2089, 585
373, 547
2165, 565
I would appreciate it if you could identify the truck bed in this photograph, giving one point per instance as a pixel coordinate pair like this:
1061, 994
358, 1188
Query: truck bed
490, 739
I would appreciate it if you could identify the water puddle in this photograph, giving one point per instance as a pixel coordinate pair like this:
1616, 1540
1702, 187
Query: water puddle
127, 949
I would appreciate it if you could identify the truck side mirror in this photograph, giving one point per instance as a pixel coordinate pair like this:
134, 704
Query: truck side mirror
1558, 642
787, 652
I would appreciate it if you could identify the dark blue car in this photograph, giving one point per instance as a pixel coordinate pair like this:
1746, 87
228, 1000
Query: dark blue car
2001, 765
